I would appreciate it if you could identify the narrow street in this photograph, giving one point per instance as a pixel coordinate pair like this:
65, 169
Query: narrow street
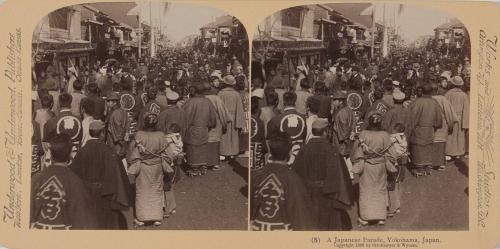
435, 202
215, 201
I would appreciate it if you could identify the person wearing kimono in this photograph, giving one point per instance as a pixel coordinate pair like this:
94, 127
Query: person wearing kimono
279, 198
325, 107
99, 103
459, 100
343, 123
131, 103
269, 111
59, 198
172, 114
77, 97
371, 161
146, 163
200, 118
244, 132
150, 106
229, 144
356, 100
291, 122
441, 135
378, 105
425, 119
223, 120
64, 122
101, 168
327, 180
302, 95
117, 124
398, 114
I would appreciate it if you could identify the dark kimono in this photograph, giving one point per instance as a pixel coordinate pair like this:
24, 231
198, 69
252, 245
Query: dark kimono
279, 200
327, 180
100, 167
343, 126
425, 120
117, 127
200, 118
60, 200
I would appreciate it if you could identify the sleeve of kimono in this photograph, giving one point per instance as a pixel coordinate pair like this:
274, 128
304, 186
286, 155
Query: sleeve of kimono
240, 115
133, 154
357, 158
342, 126
298, 205
465, 113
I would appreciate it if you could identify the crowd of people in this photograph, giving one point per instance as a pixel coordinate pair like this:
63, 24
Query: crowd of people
119, 134
320, 132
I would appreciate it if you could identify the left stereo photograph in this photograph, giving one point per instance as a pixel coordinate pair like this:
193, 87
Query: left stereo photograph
139, 118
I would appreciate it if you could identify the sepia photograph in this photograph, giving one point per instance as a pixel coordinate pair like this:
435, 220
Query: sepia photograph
360, 119
139, 118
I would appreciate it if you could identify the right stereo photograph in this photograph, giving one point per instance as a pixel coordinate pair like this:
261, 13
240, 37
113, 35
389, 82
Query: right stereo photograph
360, 119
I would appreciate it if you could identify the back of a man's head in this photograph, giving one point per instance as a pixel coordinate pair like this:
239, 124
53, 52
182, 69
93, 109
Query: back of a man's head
280, 145
78, 85
87, 106
65, 100
313, 104
93, 88
60, 148
47, 101
289, 98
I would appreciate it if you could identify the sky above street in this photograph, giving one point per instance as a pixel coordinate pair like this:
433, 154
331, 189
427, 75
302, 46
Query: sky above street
181, 19
414, 21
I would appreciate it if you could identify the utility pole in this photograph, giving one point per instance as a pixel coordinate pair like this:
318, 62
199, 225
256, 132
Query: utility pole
373, 31
384, 41
151, 33
140, 34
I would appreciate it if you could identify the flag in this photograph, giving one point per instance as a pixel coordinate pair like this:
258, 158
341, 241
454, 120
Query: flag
134, 11
367, 12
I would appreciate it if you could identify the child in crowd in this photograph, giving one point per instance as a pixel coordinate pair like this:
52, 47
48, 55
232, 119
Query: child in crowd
175, 153
400, 149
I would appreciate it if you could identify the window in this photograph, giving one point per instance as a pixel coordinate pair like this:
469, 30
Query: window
291, 17
59, 18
